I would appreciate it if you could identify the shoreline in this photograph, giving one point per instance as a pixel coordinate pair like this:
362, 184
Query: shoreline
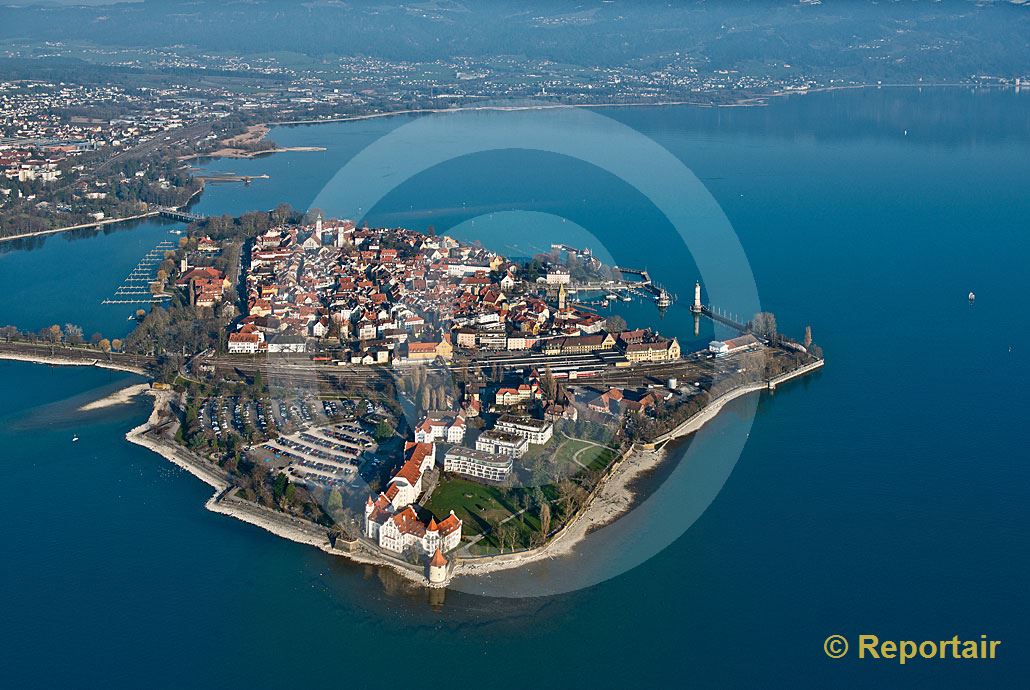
224, 501
240, 154
742, 102
58, 361
80, 226
614, 496
122, 396
231, 147
611, 498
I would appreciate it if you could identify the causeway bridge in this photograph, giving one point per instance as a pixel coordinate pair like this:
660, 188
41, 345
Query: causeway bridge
180, 215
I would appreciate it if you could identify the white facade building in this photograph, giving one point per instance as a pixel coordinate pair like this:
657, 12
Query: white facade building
477, 464
441, 427
533, 430
558, 276
502, 443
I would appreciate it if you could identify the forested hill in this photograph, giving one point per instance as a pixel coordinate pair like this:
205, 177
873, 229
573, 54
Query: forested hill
859, 40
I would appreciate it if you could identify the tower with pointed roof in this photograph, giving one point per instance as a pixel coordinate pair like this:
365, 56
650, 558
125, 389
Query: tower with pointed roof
437, 568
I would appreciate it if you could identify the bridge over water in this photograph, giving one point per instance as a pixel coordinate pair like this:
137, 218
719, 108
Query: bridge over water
180, 215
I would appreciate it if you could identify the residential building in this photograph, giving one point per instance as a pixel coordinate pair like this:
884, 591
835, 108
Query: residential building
536, 431
477, 464
502, 443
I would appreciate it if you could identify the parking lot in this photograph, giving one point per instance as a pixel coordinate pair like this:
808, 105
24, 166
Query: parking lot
271, 416
330, 454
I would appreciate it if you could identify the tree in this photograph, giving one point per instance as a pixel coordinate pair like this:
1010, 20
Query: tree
335, 501
73, 334
53, 336
615, 324
753, 364
281, 213
502, 533
279, 487
764, 324
547, 383
105, 347
116, 345
383, 431
545, 519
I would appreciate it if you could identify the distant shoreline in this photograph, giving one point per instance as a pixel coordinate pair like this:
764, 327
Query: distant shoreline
743, 102
231, 147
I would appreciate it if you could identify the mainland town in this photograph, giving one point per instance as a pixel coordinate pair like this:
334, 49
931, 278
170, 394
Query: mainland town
406, 399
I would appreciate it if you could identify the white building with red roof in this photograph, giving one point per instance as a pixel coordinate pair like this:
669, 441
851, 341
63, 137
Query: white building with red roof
441, 427
394, 525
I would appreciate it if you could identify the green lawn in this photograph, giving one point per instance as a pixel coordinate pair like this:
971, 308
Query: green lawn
478, 505
481, 507
591, 456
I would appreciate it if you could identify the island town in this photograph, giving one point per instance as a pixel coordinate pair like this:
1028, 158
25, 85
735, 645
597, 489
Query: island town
407, 399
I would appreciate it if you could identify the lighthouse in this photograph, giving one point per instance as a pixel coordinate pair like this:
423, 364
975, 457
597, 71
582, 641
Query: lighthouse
696, 306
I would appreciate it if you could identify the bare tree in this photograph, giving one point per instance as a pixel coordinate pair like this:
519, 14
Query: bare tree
615, 324
545, 519
548, 384
73, 334
52, 335
764, 324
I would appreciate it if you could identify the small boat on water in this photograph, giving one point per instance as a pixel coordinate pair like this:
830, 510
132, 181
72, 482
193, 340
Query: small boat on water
626, 298
75, 439
972, 297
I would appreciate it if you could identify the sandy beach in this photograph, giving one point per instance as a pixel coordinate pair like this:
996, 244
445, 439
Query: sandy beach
235, 147
614, 496
119, 397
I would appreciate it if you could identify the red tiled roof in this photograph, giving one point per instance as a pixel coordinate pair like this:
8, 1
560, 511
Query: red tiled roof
449, 524
407, 522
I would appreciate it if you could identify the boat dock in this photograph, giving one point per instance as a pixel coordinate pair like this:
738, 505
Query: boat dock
135, 289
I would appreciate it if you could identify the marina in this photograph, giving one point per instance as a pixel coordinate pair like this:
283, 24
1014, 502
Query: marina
135, 288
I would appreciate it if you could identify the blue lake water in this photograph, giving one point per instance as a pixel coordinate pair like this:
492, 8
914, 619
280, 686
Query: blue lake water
885, 495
